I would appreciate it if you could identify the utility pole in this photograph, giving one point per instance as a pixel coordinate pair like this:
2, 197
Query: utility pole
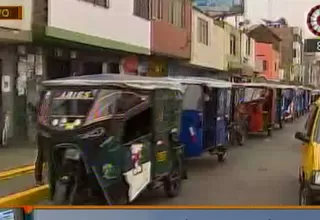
270, 10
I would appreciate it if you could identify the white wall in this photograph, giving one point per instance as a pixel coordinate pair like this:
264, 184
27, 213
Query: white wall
251, 57
25, 23
115, 23
212, 55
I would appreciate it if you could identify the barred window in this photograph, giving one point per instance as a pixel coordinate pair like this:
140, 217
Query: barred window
157, 9
102, 3
142, 8
203, 31
177, 12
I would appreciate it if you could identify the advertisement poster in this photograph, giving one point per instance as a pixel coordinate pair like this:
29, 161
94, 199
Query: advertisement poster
220, 7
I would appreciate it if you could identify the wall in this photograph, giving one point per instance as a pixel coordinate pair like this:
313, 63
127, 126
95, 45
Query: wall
168, 39
250, 59
286, 35
115, 23
265, 52
229, 29
211, 55
25, 23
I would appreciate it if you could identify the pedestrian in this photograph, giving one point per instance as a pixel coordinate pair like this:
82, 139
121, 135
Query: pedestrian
40, 159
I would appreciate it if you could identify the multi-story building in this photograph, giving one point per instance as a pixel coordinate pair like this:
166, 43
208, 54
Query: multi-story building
291, 48
267, 50
85, 37
311, 69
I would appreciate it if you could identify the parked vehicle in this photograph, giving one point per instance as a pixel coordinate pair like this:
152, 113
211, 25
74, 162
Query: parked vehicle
289, 103
205, 116
110, 137
260, 105
238, 119
309, 175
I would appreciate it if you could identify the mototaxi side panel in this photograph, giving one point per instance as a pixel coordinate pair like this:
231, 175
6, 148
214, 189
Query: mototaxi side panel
222, 117
101, 140
191, 129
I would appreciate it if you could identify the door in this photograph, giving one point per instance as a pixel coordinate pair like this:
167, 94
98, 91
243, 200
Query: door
220, 117
191, 129
209, 116
308, 148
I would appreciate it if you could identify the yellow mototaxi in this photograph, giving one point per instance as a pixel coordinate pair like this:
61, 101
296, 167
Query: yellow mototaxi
309, 171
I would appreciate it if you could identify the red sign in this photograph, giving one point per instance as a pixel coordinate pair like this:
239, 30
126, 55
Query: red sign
130, 64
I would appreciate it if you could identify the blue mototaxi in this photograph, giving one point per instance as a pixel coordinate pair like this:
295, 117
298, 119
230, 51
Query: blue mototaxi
306, 96
289, 94
205, 116
299, 101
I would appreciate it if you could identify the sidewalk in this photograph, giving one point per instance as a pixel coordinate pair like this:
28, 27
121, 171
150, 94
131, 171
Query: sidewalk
17, 156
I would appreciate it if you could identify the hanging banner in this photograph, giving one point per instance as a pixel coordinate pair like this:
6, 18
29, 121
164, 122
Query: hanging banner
217, 8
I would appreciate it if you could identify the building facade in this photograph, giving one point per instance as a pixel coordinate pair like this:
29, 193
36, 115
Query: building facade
291, 48
267, 50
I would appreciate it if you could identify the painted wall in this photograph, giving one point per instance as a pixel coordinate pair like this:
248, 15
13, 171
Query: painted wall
250, 58
266, 52
210, 56
25, 23
229, 29
168, 39
115, 23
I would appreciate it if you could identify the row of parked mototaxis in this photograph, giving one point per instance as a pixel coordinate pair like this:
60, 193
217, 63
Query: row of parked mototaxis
109, 138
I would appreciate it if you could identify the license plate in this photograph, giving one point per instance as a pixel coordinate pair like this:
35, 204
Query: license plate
72, 154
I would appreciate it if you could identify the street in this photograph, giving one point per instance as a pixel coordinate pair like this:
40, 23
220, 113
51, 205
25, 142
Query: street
263, 172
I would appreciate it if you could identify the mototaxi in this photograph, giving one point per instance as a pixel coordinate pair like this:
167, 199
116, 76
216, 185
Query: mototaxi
238, 118
309, 170
205, 116
288, 110
260, 106
110, 137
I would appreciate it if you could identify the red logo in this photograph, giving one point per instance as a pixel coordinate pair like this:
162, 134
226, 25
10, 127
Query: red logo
313, 20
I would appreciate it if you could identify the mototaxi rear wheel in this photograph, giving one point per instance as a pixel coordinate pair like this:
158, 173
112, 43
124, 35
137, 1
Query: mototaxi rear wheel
172, 183
60, 196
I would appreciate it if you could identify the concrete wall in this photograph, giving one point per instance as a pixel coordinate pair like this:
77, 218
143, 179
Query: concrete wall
211, 55
266, 52
25, 23
115, 23
228, 30
168, 39
249, 57
8, 58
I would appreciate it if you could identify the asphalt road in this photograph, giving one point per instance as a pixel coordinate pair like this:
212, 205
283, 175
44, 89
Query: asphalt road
262, 172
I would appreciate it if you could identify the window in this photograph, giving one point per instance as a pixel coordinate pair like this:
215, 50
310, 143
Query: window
275, 67
138, 126
296, 37
102, 3
141, 9
176, 12
192, 100
310, 121
232, 44
248, 46
203, 33
294, 53
157, 9
265, 65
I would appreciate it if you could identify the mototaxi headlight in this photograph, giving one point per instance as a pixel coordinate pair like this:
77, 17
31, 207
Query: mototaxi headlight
316, 177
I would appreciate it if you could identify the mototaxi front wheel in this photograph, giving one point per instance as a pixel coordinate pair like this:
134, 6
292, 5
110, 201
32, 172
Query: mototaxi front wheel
60, 196
222, 156
305, 196
172, 183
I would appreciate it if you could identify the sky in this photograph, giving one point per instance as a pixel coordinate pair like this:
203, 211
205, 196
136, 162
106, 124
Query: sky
295, 11
176, 214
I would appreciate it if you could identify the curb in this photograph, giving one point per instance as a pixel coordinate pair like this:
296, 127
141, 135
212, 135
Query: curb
28, 197
8, 174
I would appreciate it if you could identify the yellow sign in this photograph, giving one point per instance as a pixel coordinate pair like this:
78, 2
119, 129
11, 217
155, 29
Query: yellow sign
162, 156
